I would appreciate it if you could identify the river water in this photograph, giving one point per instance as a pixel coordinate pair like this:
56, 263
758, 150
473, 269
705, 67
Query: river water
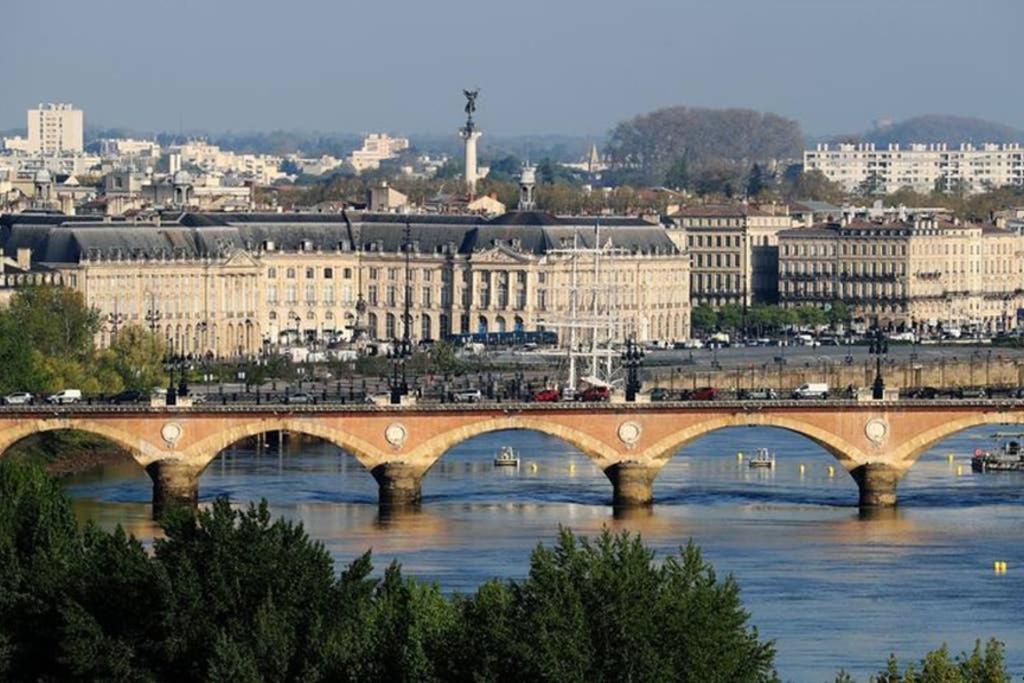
832, 589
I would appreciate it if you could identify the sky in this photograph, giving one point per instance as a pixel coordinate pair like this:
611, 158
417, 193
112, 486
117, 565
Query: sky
543, 66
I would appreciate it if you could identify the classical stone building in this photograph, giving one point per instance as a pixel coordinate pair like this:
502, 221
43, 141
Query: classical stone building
920, 274
734, 251
236, 283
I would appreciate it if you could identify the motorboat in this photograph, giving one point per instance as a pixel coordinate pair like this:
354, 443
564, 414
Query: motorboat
1008, 456
506, 457
763, 458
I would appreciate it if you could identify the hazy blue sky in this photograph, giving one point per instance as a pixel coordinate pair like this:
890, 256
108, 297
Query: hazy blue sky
565, 66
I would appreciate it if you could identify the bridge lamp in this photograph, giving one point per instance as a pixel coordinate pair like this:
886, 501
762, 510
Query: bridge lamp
632, 359
879, 346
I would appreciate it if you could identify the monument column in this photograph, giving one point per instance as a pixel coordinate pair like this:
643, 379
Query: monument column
470, 135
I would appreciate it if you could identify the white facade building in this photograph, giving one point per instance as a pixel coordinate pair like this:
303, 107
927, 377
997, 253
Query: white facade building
923, 168
376, 148
55, 129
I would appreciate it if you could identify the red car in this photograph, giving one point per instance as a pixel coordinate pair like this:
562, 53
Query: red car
701, 394
591, 394
546, 396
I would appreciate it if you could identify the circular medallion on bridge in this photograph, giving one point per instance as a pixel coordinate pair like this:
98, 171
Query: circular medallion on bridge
876, 430
171, 432
629, 433
395, 434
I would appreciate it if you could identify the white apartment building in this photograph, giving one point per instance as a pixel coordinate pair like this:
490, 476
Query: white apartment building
263, 168
129, 147
923, 168
55, 129
376, 148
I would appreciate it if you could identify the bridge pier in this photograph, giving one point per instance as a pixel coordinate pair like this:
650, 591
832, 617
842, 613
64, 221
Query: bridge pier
175, 485
632, 484
877, 484
399, 484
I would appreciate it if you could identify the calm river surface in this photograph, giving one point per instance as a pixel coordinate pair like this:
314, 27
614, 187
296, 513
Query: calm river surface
833, 590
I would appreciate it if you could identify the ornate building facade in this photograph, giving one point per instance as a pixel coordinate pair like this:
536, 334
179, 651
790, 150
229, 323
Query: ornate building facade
235, 284
918, 274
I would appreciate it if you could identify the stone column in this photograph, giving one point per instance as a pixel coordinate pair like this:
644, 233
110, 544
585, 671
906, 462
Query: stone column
175, 484
399, 484
877, 484
632, 483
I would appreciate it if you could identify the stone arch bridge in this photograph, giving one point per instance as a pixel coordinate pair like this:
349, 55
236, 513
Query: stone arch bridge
876, 442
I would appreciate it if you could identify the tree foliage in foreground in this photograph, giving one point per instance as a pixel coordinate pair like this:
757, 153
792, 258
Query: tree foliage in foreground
234, 595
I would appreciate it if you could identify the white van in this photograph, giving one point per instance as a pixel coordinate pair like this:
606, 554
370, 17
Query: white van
811, 390
65, 396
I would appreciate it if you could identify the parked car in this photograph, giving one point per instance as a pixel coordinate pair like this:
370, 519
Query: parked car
811, 390
18, 398
758, 394
468, 396
971, 392
300, 397
661, 394
128, 396
546, 396
593, 394
65, 396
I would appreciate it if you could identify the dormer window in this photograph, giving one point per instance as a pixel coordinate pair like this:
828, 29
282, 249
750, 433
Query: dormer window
307, 245
268, 245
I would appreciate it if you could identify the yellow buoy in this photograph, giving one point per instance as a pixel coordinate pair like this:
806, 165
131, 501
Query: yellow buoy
949, 458
995, 566
999, 567
572, 467
831, 471
739, 455
533, 467
802, 468
959, 470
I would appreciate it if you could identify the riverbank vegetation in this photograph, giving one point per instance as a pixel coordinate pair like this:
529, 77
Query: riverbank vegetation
234, 595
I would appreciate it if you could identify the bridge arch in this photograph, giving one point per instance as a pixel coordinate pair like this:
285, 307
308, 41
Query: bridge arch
848, 455
909, 452
142, 452
205, 451
430, 451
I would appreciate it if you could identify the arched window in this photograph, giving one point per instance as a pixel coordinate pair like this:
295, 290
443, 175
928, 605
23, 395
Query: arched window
271, 272
371, 325
481, 325
389, 326
499, 324
426, 327
518, 325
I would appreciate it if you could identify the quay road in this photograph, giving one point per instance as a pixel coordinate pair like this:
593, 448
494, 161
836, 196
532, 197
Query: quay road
875, 441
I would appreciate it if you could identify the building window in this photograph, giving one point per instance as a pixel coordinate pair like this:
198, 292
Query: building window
347, 273
310, 294
291, 294
389, 326
426, 327
329, 294
391, 295
272, 294
428, 276
271, 273
328, 273
392, 273
542, 299
290, 274
310, 273
427, 297
371, 295
374, 273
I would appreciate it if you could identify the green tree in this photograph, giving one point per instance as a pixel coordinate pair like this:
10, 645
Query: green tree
703, 318
18, 372
678, 175
55, 320
136, 356
757, 180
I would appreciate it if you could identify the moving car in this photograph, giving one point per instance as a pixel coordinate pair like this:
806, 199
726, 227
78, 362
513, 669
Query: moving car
18, 398
758, 394
300, 397
468, 396
546, 396
811, 390
593, 394
128, 396
65, 396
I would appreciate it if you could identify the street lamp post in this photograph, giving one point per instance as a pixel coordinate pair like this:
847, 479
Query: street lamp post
632, 359
879, 347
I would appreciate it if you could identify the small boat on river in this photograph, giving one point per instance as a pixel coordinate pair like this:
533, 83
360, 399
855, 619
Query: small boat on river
763, 458
1007, 457
506, 457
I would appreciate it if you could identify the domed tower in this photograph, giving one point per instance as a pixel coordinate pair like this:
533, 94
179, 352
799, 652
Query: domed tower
527, 181
182, 182
43, 185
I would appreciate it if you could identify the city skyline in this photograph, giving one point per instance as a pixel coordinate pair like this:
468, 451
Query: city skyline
573, 69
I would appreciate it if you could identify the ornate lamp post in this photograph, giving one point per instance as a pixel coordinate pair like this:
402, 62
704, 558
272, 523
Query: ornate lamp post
879, 347
632, 359
400, 351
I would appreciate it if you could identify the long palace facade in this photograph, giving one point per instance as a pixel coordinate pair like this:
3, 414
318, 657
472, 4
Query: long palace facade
233, 284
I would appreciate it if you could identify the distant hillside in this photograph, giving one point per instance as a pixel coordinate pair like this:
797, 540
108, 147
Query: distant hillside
652, 143
943, 128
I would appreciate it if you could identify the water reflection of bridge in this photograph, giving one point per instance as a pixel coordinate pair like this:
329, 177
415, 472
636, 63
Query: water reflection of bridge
876, 442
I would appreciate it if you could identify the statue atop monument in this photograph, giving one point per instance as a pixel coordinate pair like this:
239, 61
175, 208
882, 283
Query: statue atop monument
471, 96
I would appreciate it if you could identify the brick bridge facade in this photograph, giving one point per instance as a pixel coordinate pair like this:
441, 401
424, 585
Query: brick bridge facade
876, 442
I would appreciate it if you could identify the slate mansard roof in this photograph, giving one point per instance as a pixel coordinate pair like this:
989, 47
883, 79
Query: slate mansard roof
218, 235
